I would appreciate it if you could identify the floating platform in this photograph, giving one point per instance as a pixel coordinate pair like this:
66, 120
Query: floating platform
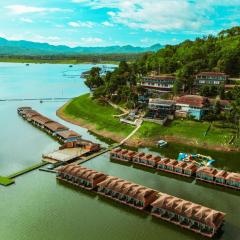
64, 155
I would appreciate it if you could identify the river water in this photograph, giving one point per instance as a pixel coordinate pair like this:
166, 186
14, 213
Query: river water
37, 207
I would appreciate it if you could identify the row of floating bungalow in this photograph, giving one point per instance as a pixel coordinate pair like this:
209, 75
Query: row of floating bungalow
186, 214
188, 169
55, 129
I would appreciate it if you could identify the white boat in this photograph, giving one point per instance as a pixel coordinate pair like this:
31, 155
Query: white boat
162, 143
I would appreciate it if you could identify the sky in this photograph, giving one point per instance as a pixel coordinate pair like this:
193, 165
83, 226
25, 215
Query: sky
115, 22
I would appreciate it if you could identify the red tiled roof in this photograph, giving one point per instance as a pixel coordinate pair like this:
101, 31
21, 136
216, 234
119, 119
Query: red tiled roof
54, 126
205, 215
68, 134
41, 119
192, 100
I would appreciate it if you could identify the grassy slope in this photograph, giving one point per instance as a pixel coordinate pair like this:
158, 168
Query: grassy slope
187, 130
84, 110
90, 111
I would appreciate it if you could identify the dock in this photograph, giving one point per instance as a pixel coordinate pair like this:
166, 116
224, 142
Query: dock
64, 155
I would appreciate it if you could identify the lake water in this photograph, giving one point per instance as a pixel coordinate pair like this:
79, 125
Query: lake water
37, 207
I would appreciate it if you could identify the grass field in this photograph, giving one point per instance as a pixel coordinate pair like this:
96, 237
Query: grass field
5, 181
187, 129
90, 111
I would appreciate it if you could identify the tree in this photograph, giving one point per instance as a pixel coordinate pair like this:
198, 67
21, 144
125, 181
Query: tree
94, 78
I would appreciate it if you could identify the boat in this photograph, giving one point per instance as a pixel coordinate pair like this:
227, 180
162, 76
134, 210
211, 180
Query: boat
198, 159
70, 65
162, 143
27, 64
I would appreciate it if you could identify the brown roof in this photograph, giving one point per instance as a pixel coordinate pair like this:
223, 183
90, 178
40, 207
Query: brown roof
41, 119
68, 134
192, 100
233, 176
54, 126
164, 160
205, 215
128, 188
172, 162
207, 170
181, 164
221, 174
190, 166
30, 113
211, 74
82, 172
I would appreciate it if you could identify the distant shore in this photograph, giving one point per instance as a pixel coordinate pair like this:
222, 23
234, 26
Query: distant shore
143, 138
54, 61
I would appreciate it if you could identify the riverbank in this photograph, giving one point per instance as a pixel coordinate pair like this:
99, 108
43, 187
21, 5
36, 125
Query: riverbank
98, 118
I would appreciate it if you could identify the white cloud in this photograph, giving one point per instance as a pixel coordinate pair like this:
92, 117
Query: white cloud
24, 9
107, 24
26, 20
80, 24
161, 15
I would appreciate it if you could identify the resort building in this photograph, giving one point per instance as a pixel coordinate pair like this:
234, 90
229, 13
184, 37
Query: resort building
188, 215
80, 176
40, 120
20, 110
28, 114
160, 110
122, 154
54, 127
161, 83
206, 173
68, 136
176, 167
126, 192
211, 78
146, 159
219, 177
191, 105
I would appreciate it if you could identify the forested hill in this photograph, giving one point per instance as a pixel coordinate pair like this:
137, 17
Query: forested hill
27, 48
210, 53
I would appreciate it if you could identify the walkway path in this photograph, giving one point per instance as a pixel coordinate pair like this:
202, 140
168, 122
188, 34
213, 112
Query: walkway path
139, 124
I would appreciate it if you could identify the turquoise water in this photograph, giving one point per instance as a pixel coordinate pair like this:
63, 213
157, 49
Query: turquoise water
37, 207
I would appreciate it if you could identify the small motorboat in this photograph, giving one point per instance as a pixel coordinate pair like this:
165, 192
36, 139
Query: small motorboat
162, 143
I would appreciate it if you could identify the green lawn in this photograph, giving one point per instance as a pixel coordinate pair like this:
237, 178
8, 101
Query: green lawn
93, 112
5, 181
187, 129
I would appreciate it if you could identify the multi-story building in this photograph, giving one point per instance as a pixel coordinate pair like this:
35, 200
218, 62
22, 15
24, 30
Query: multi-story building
210, 78
161, 83
191, 105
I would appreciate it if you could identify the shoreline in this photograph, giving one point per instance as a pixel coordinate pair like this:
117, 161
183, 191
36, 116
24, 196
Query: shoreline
57, 61
137, 142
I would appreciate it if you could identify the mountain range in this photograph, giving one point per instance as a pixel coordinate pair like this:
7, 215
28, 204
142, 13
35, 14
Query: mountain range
29, 48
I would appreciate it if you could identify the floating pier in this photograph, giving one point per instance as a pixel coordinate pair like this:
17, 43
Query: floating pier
195, 217
186, 169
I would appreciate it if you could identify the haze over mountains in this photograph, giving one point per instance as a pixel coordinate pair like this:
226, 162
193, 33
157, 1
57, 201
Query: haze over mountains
22, 47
